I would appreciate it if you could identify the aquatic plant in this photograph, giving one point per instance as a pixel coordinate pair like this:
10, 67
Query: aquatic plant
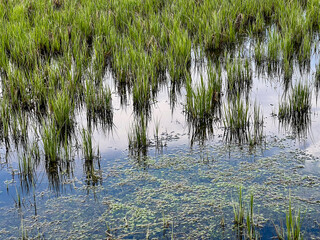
62, 110
238, 211
98, 101
241, 125
251, 232
87, 147
203, 102
54, 55
51, 141
273, 45
239, 77
142, 96
244, 223
137, 136
236, 118
259, 51
295, 110
293, 226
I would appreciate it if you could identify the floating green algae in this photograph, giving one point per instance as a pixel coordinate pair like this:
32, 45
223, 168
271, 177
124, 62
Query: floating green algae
183, 194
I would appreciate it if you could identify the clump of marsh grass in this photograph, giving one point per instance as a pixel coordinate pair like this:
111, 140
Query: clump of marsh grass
87, 145
142, 95
62, 110
51, 141
239, 77
293, 226
259, 51
138, 137
99, 103
295, 110
203, 102
238, 210
240, 124
244, 221
179, 51
237, 119
273, 45
203, 105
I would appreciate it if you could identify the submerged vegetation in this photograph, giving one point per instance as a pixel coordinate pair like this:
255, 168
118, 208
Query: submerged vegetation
65, 64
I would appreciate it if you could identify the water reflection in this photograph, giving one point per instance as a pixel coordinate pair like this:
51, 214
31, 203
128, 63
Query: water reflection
196, 96
295, 110
92, 171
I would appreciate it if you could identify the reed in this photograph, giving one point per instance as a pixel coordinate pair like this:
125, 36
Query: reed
138, 137
239, 77
238, 211
62, 110
51, 141
87, 146
203, 101
293, 225
297, 106
98, 102
236, 116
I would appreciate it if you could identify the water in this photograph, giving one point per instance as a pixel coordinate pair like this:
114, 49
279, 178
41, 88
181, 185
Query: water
185, 187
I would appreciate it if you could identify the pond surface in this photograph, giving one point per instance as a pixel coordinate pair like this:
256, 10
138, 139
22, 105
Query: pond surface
185, 183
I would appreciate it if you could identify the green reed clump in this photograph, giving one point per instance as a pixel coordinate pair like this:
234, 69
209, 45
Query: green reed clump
142, 94
51, 141
179, 52
273, 45
298, 105
259, 51
5, 119
87, 146
305, 49
16, 89
256, 130
62, 110
239, 76
244, 222
203, 105
238, 211
293, 226
287, 45
98, 101
241, 124
237, 117
204, 100
138, 137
